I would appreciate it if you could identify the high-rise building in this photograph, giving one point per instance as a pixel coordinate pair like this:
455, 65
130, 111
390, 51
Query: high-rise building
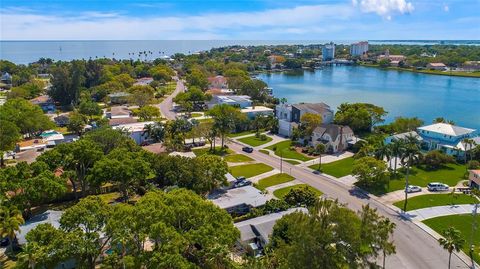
358, 49
328, 52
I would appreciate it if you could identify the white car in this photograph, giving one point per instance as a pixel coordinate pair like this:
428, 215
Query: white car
413, 188
437, 186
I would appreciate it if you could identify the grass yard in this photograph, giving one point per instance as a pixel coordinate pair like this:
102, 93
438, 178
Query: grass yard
218, 152
283, 149
338, 168
205, 120
237, 158
273, 180
463, 223
430, 200
451, 174
280, 193
293, 162
254, 141
109, 197
242, 133
196, 115
264, 151
249, 170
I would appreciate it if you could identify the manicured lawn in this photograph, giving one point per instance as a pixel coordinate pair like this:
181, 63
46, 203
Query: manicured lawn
463, 223
254, 141
109, 197
264, 151
280, 193
196, 115
237, 158
249, 170
205, 120
283, 149
274, 180
450, 175
202, 151
240, 133
430, 200
338, 168
293, 162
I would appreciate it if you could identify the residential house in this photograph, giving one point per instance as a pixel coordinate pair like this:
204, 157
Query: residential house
217, 82
238, 201
255, 233
391, 57
252, 112
6, 78
118, 112
474, 179
441, 136
45, 102
335, 137
437, 66
143, 81
241, 101
61, 120
119, 97
289, 115
136, 131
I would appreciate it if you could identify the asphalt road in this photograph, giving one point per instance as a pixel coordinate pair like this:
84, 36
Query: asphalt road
415, 247
166, 106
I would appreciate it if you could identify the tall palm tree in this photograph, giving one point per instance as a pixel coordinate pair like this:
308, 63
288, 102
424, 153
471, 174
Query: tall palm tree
410, 155
468, 144
385, 231
384, 151
452, 240
10, 221
396, 148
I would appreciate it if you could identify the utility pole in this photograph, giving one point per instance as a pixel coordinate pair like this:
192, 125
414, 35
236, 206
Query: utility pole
281, 161
474, 229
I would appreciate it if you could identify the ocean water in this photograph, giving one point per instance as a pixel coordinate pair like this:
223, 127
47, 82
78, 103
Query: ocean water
401, 93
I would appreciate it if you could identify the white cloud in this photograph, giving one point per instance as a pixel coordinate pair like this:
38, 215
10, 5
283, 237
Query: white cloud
446, 8
94, 25
384, 8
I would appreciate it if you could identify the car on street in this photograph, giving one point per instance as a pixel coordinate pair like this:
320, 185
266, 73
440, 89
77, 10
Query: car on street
437, 186
247, 149
316, 172
413, 188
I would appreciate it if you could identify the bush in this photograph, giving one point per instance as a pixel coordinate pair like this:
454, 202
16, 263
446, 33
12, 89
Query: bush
301, 197
473, 164
263, 137
257, 135
436, 159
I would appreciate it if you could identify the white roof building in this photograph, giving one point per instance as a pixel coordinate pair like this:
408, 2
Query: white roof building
447, 129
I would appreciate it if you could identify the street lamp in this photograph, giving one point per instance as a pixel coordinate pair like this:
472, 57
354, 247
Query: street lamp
474, 228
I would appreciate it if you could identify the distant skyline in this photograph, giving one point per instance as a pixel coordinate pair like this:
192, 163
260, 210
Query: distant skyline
243, 19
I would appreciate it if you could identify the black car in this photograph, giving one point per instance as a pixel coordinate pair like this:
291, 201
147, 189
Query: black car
241, 183
247, 149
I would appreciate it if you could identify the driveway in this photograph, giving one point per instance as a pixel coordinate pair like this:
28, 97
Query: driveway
166, 106
438, 211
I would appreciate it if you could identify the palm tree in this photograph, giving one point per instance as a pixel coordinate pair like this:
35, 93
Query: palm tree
29, 255
452, 240
320, 149
10, 221
396, 148
410, 155
384, 151
470, 143
386, 228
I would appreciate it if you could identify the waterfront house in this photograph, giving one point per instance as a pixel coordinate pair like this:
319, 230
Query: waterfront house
255, 233
437, 66
391, 57
289, 115
241, 101
252, 111
440, 136
336, 138
474, 179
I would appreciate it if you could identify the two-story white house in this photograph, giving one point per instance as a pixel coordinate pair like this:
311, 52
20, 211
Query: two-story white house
289, 115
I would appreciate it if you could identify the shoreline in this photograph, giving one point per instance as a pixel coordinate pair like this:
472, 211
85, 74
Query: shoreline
427, 72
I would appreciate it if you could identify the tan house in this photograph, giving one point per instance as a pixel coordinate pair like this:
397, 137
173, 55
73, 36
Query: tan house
474, 178
217, 82
437, 66
335, 137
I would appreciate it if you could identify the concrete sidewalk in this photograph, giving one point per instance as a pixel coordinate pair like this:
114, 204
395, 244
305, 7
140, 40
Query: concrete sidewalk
329, 158
438, 211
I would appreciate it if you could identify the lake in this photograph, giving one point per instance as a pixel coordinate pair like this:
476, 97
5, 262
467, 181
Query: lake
401, 93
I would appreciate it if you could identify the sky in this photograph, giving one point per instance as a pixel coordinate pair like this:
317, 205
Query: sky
239, 19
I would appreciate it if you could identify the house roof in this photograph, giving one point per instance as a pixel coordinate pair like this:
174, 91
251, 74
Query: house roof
134, 127
476, 171
49, 216
447, 129
333, 130
405, 135
120, 121
234, 197
262, 226
119, 94
437, 64
316, 107
217, 79
249, 109
42, 99
119, 110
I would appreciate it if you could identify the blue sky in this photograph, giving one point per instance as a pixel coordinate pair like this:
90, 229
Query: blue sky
242, 19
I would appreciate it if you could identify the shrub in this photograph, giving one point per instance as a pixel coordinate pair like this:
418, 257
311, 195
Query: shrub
473, 164
257, 135
301, 197
436, 159
263, 137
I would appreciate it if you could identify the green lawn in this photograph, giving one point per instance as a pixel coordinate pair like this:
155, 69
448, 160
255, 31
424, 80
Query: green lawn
280, 193
273, 180
264, 151
254, 141
218, 152
237, 158
205, 120
450, 175
430, 200
338, 168
463, 223
240, 133
283, 149
196, 115
249, 170
293, 162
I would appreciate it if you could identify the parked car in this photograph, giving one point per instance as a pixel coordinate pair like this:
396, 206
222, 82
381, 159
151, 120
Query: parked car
247, 149
413, 188
241, 182
437, 186
316, 172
